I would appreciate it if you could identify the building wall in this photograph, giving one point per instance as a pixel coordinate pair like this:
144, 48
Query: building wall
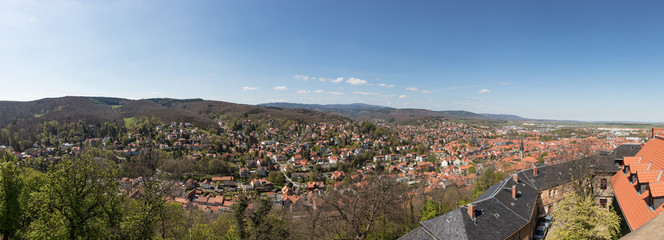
526, 232
606, 194
554, 195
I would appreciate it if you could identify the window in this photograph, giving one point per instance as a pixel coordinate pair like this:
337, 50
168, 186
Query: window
602, 184
602, 202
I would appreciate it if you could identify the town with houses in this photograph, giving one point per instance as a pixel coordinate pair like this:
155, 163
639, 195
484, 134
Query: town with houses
293, 166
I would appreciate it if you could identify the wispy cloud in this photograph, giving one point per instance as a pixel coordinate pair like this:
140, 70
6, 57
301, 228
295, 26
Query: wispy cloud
367, 93
301, 77
281, 88
402, 96
301, 91
356, 81
412, 89
505, 83
326, 92
337, 80
426, 91
386, 85
279, 100
456, 88
245, 88
484, 91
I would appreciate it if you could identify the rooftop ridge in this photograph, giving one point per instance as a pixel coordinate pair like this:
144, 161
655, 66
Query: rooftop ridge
496, 191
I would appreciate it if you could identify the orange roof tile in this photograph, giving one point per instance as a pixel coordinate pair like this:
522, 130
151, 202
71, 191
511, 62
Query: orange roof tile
631, 160
636, 210
648, 176
657, 189
639, 167
653, 151
529, 159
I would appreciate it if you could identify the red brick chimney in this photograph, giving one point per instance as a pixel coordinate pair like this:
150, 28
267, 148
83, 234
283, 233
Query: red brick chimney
471, 210
535, 171
515, 177
514, 191
657, 131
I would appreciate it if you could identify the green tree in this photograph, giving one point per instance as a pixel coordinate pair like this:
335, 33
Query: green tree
577, 217
430, 210
263, 225
239, 209
141, 214
11, 210
79, 201
487, 179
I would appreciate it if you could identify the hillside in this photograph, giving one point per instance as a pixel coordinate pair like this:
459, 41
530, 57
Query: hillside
97, 110
361, 111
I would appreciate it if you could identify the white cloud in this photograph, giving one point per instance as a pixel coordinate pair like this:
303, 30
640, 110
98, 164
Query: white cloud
303, 91
322, 79
367, 93
245, 88
426, 91
484, 91
281, 88
403, 96
338, 80
33, 19
505, 83
412, 89
326, 92
279, 100
386, 85
356, 81
301, 77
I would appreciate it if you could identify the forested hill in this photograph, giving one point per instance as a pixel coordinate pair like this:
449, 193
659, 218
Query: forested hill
361, 111
27, 118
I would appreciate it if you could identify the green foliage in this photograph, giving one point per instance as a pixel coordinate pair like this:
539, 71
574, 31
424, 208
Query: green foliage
472, 170
11, 210
577, 217
277, 178
430, 210
141, 214
487, 179
78, 201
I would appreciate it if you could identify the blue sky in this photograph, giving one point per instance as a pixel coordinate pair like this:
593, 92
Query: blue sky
580, 60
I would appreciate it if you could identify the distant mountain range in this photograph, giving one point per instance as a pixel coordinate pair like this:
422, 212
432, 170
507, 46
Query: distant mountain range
362, 111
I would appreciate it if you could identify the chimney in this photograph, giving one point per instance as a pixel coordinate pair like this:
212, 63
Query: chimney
514, 191
515, 177
535, 171
657, 132
471, 210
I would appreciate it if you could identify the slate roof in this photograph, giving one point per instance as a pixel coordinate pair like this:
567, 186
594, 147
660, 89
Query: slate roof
498, 215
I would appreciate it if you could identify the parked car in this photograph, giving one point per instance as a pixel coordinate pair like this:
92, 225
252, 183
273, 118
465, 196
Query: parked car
540, 231
548, 220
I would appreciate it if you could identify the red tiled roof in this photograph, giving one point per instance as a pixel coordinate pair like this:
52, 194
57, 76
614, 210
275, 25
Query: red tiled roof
631, 160
647, 164
653, 151
648, 176
639, 167
636, 210
657, 189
